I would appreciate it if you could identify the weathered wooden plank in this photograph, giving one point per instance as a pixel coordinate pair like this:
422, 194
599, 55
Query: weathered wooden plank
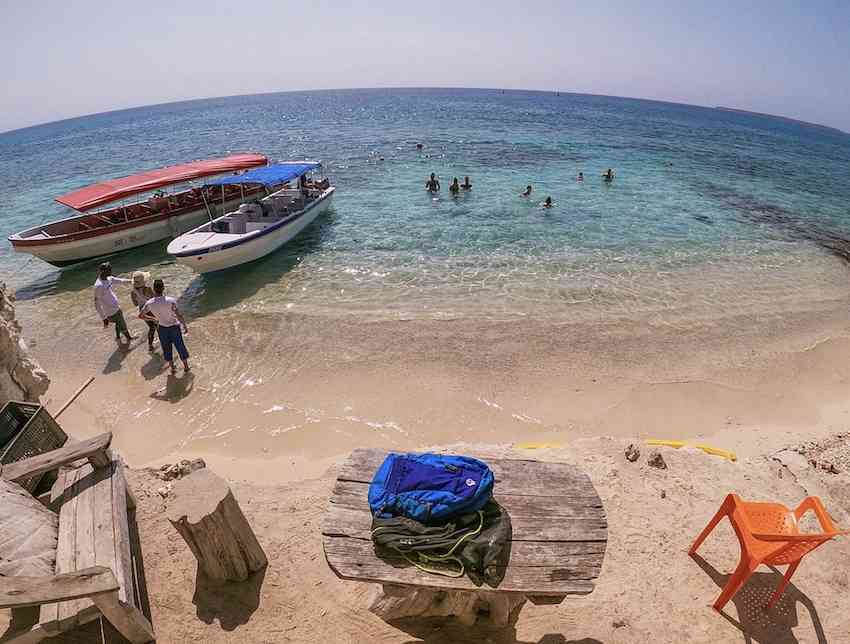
104, 533
31, 635
123, 565
558, 521
62, 493
92, 448
17, 592
354, 495
537, 580
342, 521
518, 477
127, 619
582, 559
83, 492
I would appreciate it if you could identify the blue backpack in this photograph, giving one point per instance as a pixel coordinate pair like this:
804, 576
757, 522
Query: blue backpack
429, 487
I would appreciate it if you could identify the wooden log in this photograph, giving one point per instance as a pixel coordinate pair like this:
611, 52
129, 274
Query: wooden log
396, 602
17, 592
207, 516
93, 449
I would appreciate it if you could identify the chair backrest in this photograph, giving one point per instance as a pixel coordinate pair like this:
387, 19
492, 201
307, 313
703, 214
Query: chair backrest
775, 519
770, 517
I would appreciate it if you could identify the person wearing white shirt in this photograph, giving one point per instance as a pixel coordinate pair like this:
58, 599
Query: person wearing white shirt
106, 303
163, 310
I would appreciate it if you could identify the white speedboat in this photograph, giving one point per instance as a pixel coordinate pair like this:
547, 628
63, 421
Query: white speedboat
256, 228
106, 224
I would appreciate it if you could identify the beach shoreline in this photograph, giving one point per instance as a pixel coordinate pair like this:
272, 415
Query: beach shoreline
278, 397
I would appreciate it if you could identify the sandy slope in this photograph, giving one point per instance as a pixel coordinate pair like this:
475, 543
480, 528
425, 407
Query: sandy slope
275, 401
649, 590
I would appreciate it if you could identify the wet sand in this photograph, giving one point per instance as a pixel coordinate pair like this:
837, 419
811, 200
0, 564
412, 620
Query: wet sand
278, 397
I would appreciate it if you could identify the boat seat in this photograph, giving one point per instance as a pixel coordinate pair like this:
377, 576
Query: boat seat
237, 224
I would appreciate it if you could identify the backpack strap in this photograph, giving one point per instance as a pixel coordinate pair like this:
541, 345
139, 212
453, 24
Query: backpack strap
422, 559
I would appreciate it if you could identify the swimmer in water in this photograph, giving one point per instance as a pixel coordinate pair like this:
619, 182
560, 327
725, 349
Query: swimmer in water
548, 203
580, 176
432, 185
608, 175
526, 192
466, 185
454, 188
418, 146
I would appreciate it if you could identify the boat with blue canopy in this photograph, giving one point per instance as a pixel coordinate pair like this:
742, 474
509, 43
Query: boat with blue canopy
118, 214
259, 226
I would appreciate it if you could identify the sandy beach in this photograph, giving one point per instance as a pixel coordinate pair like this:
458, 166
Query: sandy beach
281, 396
386, 228
275, 402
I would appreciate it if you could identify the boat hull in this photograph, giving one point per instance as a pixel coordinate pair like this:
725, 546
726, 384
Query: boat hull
257, 247
62, 253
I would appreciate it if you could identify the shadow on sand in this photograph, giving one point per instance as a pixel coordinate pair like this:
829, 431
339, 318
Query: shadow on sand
176, 388
757, 624
232, 604
154, 367
113, 364
440, 630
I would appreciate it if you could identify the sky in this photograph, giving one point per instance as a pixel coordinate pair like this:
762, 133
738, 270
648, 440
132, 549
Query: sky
67, 58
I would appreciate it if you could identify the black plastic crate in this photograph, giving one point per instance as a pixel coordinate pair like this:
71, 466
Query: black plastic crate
28, 429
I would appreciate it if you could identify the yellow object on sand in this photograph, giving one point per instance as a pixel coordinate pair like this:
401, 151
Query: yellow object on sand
714, 451
537, 445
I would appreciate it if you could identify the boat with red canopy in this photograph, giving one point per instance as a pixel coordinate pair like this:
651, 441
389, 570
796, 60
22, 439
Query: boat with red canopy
119, 214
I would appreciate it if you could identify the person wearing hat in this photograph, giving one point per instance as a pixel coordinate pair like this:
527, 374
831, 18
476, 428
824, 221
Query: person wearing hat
163, 309
106, 303
140, 294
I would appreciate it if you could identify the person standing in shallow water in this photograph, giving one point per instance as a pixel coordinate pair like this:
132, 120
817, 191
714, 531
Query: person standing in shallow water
432, 185
466, 185
106, 303
163, 310
455, 187
140, 294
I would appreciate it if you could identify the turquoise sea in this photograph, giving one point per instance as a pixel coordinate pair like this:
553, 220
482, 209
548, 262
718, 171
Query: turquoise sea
712, 213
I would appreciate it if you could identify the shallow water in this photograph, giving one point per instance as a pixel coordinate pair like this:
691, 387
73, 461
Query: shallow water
710, 214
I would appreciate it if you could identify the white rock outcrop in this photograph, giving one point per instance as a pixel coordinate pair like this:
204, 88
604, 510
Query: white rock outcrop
20, 376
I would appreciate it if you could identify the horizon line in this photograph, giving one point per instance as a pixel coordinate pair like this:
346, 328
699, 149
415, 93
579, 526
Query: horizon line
499, 89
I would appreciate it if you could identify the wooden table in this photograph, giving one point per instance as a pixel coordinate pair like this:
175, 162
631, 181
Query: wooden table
558, 543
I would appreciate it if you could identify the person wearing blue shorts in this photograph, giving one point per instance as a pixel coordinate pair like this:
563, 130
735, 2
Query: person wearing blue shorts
163, 310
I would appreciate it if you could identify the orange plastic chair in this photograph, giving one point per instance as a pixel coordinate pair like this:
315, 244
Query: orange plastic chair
769, 535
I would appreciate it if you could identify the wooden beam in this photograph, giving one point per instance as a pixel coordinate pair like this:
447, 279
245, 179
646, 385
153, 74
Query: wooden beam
93, 449
30, 635
17, 592
127, 619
